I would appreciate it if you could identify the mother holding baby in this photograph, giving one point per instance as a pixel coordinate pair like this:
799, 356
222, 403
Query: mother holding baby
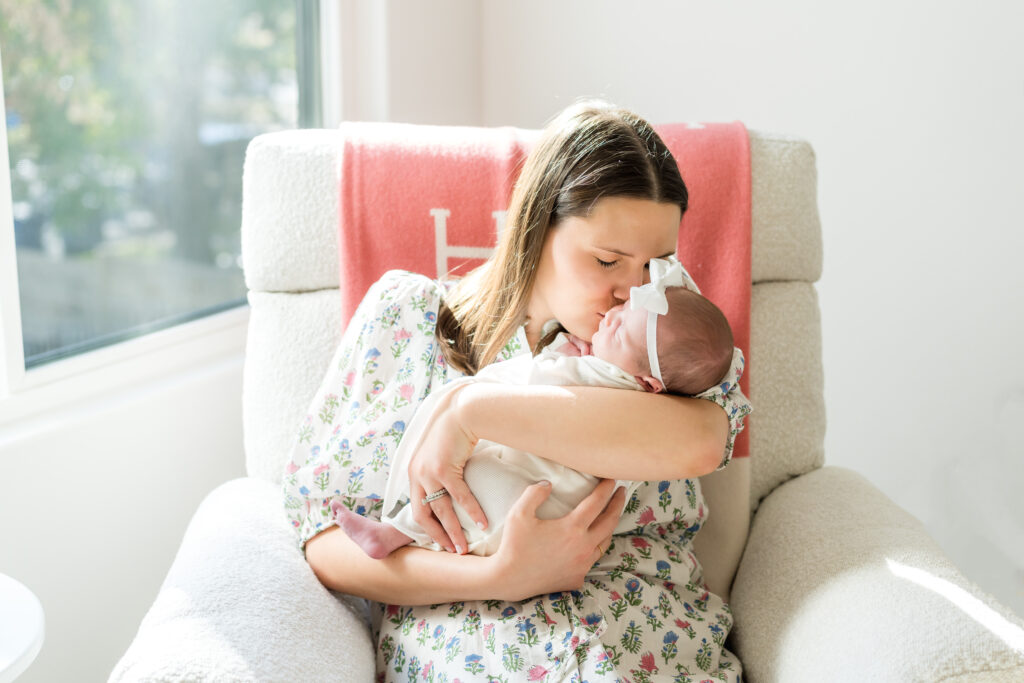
599, 196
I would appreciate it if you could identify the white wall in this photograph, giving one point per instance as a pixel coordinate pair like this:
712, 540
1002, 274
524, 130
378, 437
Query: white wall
95, 498
915, 112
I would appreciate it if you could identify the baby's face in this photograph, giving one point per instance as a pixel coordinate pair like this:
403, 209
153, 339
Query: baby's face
621, 338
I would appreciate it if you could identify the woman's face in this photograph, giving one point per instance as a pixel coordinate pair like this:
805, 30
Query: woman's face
587, 265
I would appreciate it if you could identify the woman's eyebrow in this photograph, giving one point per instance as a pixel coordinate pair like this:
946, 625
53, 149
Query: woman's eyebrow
622, 253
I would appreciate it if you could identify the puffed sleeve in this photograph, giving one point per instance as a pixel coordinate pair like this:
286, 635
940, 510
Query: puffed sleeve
730, 397
382, 369
727, 393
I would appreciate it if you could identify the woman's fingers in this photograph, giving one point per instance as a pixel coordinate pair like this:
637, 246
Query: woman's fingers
531, 499
605, 523
464, 496
444, 511
593, 505
602, 547
424, 516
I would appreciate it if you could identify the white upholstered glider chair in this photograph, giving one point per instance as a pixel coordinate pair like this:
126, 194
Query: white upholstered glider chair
829, 579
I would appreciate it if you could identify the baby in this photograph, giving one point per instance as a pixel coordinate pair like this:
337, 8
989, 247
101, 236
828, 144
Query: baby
667, 339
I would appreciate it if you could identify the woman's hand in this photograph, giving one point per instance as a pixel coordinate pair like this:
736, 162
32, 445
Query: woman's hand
438, 462
538, 556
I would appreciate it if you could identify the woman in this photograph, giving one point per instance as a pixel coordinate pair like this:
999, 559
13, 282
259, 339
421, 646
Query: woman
598, 197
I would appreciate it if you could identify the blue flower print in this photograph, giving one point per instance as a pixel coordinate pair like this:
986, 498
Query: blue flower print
473, 664
370, 364
428, 324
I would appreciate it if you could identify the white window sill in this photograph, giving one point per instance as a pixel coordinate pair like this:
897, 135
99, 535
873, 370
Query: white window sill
71, 384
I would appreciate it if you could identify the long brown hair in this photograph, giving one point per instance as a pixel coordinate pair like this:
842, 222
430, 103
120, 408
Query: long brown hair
590, 150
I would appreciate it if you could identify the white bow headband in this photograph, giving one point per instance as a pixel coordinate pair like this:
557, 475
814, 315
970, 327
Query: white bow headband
667, 272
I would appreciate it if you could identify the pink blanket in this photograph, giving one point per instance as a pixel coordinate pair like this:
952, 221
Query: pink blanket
430, 199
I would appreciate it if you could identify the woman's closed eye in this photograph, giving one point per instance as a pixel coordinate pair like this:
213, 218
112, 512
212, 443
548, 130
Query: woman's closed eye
609, 264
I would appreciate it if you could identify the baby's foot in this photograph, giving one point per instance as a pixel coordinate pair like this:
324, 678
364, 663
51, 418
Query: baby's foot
376, 539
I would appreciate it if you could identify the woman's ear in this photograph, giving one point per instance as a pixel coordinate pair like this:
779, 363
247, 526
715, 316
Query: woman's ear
650, 384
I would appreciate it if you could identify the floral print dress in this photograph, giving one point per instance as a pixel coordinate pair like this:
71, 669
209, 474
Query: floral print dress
644, 612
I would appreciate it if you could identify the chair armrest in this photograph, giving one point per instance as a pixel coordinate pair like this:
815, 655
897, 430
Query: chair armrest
241, 603
837, 582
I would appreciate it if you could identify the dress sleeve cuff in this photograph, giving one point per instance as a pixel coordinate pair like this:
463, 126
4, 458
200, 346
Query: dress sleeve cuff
729, 396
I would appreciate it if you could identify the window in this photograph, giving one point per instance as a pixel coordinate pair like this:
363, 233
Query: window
127, 124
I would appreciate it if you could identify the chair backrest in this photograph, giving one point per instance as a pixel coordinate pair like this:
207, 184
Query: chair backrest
290, 256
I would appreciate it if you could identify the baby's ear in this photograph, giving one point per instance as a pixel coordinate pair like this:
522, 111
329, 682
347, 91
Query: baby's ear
650, 384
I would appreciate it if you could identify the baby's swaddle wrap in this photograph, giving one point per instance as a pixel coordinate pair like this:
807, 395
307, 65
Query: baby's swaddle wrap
497, 474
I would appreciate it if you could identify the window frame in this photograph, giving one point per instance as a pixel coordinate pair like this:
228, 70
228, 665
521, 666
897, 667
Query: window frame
208, 341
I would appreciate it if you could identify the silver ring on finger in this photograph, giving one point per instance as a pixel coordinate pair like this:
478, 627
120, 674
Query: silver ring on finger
430, 497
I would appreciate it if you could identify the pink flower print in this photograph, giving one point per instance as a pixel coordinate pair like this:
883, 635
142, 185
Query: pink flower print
419, 626
669, 585
700, 511
487, 629
320, 470
682, 624
537, 673
426, 670
647, 516
402, 335
350, 378
647, 662
639, 542
615, 596
292, 468
392, 610
406, 391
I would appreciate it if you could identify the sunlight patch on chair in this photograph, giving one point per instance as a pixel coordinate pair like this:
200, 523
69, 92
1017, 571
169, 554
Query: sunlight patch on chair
1009, 633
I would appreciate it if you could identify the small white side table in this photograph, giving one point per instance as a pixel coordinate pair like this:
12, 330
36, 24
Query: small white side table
21, 628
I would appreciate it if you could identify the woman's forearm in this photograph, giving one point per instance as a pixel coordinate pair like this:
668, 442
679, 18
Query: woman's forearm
408, 576
606, 432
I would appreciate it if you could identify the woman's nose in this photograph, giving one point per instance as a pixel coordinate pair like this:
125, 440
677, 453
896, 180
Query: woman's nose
634, 278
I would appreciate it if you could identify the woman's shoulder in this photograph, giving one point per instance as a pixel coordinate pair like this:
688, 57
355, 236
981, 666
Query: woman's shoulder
404, 286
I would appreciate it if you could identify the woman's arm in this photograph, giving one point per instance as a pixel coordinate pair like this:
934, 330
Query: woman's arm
605, 432
535, 556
